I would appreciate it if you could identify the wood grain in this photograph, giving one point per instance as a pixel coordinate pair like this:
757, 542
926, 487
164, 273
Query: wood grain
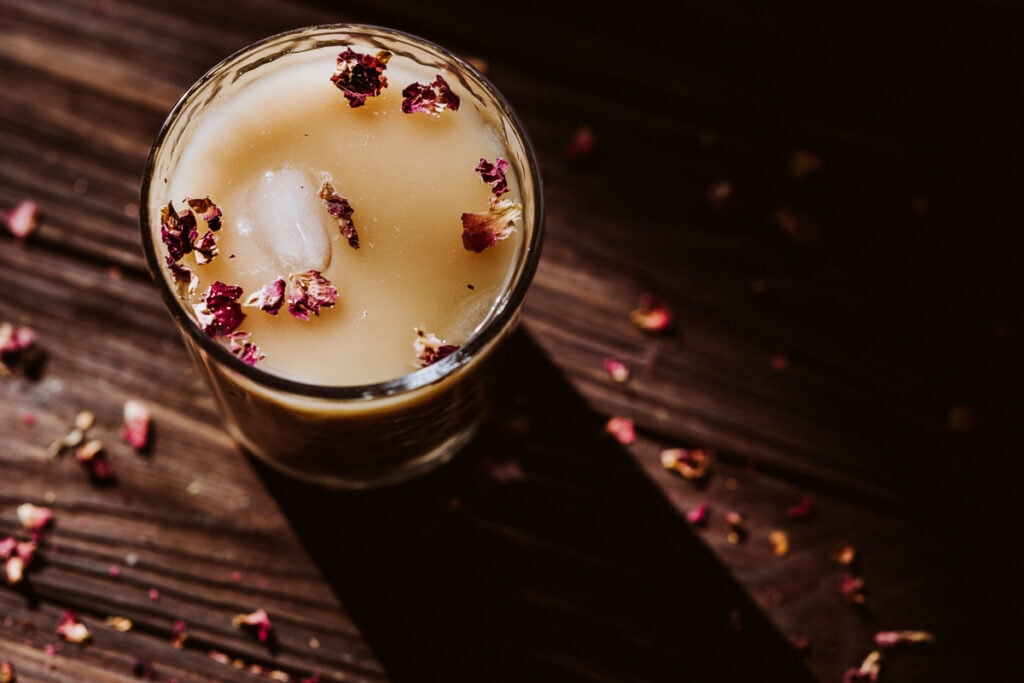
830, 318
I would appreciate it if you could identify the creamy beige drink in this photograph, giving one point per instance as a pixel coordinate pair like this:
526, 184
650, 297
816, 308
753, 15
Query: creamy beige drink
344, 221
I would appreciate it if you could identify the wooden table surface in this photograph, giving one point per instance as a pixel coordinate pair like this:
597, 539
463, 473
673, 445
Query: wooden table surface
825, 200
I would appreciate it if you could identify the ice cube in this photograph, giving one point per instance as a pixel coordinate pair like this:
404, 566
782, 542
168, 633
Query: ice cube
284, 215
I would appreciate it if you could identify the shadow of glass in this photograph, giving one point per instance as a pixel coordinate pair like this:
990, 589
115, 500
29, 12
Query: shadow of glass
541, 553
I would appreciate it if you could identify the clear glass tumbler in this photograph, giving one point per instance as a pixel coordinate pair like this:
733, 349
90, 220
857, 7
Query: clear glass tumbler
345, 436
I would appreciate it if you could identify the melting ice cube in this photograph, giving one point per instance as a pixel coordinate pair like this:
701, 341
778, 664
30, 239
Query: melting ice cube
287, 219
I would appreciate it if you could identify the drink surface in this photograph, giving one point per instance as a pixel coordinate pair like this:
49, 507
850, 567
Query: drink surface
261, 156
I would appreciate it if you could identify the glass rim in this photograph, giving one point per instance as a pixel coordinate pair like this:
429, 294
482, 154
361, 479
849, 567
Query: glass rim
511, 298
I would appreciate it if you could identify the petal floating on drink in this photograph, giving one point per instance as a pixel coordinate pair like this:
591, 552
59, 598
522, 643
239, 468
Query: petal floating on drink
309, 292
433, 98
430, 349
339, 209
208, 211
482, 230
269, 297
360, 76
177, 230
494, 174
219, 313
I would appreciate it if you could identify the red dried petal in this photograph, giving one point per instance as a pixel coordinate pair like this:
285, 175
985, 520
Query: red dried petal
16, 339
803, 509
220, 314
581, 145
205, 248
894, 638
135, 424
185, 281
177, 230
698, 515
429, 99
339, 208
258, 620
72, 630
360, 76
616, 369
494, 175
652, 314
852, 588
482, 230
309, 292
248, 352
622, 429
208, 211
868, 671
690, 463
269, 297
430, 349
23, 219
34, 517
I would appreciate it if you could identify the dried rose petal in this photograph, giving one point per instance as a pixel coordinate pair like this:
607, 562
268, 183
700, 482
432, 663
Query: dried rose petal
309, 292
185, 281
429, 99
360, 76
652, 314
269, 297
719, 193
248, 352
14, 570
622, 429
339, 208
852, 588
691, 463
23, 219
846, 556
135, 424
7, 674
72, 630
208, 211
779, 542
482, 230
179, 634
141, 668
893, 638
803, 162
798, 227
258, 620
581, 144
34, 518
699, 515
430, 349
616, 369
868, 671
94, 459
219, 313
177, 230
205, 248
736, 527
122, 624
494, 175
801, 510
14, 340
